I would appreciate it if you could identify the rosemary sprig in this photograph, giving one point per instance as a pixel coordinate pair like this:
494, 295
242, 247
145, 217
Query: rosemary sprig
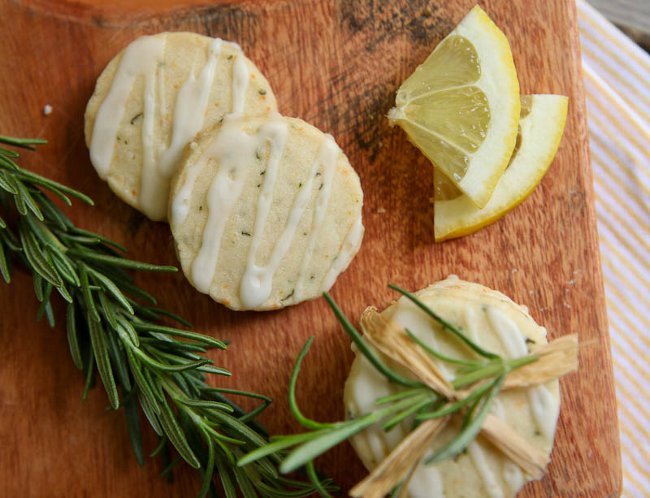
415, 401
114, 329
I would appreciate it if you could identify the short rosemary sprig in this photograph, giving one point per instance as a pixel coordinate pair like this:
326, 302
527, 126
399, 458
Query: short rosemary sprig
114, 329
415, 401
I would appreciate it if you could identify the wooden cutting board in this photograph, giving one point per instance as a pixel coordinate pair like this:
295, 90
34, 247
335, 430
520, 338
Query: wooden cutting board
336, 65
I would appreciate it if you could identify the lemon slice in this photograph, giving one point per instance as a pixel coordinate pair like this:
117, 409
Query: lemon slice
461, 106
540, 130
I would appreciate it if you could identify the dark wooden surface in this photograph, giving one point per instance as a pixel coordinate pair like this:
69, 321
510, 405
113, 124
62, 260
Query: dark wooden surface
337, 65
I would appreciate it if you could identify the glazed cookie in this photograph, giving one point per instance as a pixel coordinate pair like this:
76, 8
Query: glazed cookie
153, 98
265, 212
497, 324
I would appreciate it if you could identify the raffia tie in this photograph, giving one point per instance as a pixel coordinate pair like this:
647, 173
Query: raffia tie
554, 360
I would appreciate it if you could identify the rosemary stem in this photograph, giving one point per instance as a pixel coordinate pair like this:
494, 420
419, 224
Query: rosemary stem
492, 369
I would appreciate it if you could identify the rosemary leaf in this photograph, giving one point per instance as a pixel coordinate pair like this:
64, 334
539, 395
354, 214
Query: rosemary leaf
208, 469
150, 413
457, 405
100, 351
444, 323
407, 393
313, 476
118, 359
226, 478
471, 428
133, 424
25, 143
56, 187
205, 405
4, 263
243, 481
111, 288
304, 421
276, 445
417, 406
201, 338
438, 355
6, 182
366, 350
328, 439
73, 337
35, 256
118, 261
176, 436
90, 372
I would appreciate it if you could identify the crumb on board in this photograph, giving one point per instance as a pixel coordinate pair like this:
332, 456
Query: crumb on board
47, 110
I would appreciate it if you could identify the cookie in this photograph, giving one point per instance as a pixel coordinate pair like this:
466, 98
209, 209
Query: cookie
497, 324
265, 212
153, 98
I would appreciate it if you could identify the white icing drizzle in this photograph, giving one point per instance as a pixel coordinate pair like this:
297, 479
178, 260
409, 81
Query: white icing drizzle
376, 443
189, 116
233, 147
349, 248
497, 409
141, 57
190, 108
327, 159
370, 386
513, 476
257, 281
181, 202
509, 334
410, 317
150, 180
426, 482
240, 78
162, 98
490, 483
545, 410
542, 405
470, 320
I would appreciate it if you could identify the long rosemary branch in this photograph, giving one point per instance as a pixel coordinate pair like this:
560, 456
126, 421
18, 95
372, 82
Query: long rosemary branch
415, 401
114, 329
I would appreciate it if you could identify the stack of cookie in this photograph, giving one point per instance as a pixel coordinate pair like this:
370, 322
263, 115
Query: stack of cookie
265, 210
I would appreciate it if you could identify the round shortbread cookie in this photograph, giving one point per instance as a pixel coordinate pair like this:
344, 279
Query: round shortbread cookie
496, 323
265, 212
153, 98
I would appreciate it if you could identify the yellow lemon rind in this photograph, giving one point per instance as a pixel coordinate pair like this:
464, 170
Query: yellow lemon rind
541, 133
499, 85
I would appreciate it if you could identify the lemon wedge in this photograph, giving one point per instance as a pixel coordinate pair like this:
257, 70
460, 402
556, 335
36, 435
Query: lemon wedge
540, 130
460, 107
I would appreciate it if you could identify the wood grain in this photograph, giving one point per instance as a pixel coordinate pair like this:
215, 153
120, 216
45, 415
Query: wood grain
337, 65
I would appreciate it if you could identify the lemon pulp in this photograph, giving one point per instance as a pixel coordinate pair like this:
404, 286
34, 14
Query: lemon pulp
460, 107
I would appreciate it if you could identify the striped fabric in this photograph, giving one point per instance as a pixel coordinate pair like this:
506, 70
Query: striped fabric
617, 85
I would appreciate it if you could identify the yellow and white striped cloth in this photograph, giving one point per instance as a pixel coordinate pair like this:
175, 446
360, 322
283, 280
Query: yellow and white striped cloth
617, 85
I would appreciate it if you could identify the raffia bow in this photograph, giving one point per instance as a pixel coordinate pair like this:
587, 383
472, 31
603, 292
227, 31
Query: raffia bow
555, 359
